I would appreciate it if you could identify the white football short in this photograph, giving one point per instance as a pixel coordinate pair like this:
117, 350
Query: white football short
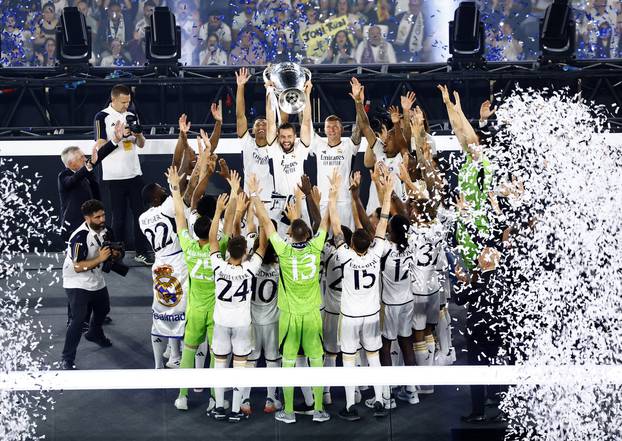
330, 332
236, 340
266, 338
397, 321
425, 310
355, 332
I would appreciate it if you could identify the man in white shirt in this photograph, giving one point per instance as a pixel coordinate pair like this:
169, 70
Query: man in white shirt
376, 49
121, 172
330, 153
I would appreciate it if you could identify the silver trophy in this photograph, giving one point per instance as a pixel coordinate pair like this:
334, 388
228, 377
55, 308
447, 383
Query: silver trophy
289, 81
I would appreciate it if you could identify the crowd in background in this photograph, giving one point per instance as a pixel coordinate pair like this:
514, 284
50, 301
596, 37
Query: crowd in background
249, 32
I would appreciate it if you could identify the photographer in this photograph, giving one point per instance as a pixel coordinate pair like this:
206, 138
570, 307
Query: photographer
121, 172
90, 253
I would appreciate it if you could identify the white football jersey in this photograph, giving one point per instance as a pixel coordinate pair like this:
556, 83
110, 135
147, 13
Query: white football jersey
256, 160
288, 168
393, 166
360, 287
428, 244
158, 226
333, 277
396, 273
328, 158
233, 290
264, 310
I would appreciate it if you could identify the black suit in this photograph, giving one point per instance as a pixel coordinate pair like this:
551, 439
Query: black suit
75, 188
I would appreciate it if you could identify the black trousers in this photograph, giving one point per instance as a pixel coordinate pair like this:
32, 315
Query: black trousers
479, 354
122, 192
79, 301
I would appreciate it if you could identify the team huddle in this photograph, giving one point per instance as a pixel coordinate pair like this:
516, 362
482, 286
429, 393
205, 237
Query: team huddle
303, 273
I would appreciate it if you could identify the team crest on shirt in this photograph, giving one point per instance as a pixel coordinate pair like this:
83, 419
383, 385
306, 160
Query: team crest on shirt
167, 288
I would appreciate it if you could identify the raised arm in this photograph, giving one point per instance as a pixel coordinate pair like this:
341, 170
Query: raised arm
240, 212
429, 171
358, 95
182, 140
361, 220
381, 229
306, 126
260, 210
407, 102
204, 176
217, 115
399, 139
201, 164
241, 124
271, 129
464, 134
173, 180
312, 207
221, 204
335, 222
234, 182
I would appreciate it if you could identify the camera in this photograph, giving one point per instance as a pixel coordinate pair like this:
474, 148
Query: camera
115, 263
133, 124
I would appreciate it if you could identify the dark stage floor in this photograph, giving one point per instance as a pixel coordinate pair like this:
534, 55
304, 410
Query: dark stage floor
150, 415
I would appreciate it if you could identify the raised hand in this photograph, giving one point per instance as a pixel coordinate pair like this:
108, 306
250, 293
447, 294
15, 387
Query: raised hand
444, 93
242, 76
243, 202
416, 121
224, 169
211, 164
358, 90
404, 175
93, 159
486, 110
291, 212
407, 101
316, 194
335, 182
308, 87
253, 185
221, 203
216, 112
173, 177
205, 138
457, 106
234, 181
394, 111
119, 129
184, 124
305, 185
355, 182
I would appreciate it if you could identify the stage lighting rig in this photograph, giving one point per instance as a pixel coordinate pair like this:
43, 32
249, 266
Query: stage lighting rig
466, 37
557, 34
163, 41
73, 37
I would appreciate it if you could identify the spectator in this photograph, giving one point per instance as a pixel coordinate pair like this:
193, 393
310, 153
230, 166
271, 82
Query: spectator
325, 10
114, 26
309, 18
148, 8
341, 50
247, 51
117, 56
212, 54
510, 47
248, 17
364, 10
410, 33
13, 44
280, 35
136, 50
385, 16
91, 21
355, 26
58, 4
48, 58
46, 27
188, 19
215, 25
376, 49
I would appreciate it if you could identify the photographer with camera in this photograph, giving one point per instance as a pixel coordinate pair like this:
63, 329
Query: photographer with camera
121, 172
91, 252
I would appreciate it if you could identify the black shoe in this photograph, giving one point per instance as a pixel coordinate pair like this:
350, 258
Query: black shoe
474, 418
304, 409
107, 320
219, 414
379, 410
236, 417
103, 341
349, 414
67, 365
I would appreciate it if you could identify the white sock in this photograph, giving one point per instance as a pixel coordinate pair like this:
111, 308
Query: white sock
158, 344
448, 321
307, 392
219, 391
442, 330
374, 361
246, 392
237, 393
349, 361
429, 340
201, 355
330, 360
272, 389
421, 353
175, 349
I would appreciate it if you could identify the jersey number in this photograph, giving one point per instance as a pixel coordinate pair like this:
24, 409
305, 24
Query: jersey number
336, 285
428, 249
398, 276
151, 236
242, 291
259, 290
307, 262
365, 275
194, 273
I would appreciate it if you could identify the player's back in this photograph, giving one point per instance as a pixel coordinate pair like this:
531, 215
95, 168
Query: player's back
396, 272
333, 278
158, 226
427, 241
264, 294
360, 287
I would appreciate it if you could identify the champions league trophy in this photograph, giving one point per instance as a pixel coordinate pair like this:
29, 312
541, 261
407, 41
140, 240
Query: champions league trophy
289, 80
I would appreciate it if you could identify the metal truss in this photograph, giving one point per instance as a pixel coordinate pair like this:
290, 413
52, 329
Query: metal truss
56, 102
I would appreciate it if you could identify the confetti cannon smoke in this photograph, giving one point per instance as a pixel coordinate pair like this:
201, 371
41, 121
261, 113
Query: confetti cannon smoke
566, 301
24, 224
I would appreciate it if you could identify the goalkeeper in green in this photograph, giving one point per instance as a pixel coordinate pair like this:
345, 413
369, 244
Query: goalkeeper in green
299, 297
